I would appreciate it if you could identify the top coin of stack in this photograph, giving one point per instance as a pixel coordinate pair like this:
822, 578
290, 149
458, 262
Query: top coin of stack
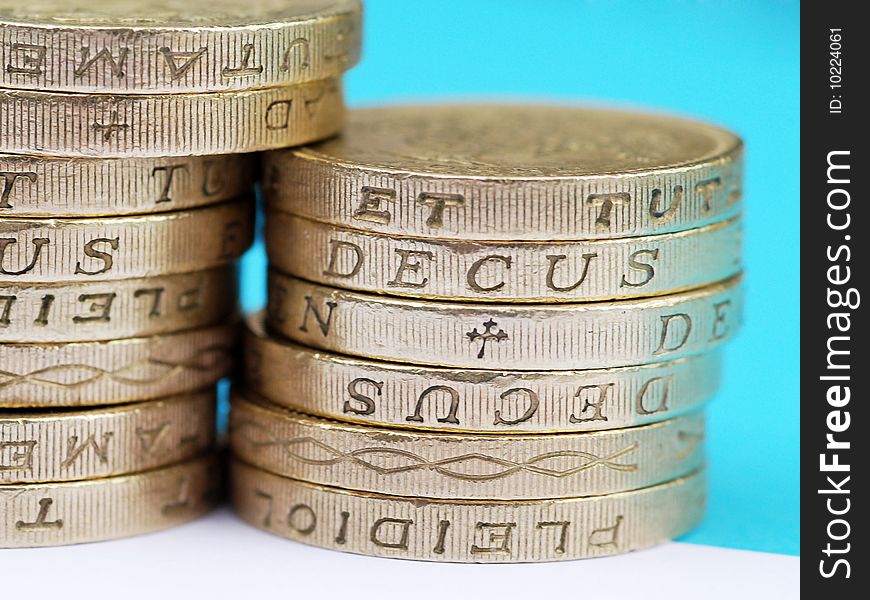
121, 78
123, 205
503, 330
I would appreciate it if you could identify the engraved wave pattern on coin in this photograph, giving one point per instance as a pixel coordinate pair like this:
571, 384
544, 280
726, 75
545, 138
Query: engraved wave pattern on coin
259, 437
147, 371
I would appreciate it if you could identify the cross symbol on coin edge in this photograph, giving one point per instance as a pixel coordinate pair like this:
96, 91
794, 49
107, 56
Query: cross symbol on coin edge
487, 335
111, 127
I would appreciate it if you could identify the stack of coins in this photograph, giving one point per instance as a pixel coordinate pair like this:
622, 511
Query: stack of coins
491, 333
123, 205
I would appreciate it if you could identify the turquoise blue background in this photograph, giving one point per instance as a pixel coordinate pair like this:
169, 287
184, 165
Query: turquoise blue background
733, 63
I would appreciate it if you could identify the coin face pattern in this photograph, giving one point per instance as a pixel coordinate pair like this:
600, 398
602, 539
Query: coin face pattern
164, 16
518, 141
481, 531
199, 46
512, 172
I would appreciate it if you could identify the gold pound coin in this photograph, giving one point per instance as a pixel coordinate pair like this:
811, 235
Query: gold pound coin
123, 308
472, 400
32, 186
504, 271
154, 46
529, 337
42, 376
80, 125
467, 531
78, 250
104, 442
425, 464
59, 514
512, 172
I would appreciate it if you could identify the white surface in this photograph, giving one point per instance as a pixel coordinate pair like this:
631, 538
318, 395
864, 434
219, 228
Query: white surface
221, 557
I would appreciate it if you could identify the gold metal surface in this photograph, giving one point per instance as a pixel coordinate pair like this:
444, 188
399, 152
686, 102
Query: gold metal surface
99, 249
512, 172
472, 400
467, 531
504, 271
43, 376
531, 337
58, 514
138, 126
157, 46
32, 186
107, 310
104, 442
424, 464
